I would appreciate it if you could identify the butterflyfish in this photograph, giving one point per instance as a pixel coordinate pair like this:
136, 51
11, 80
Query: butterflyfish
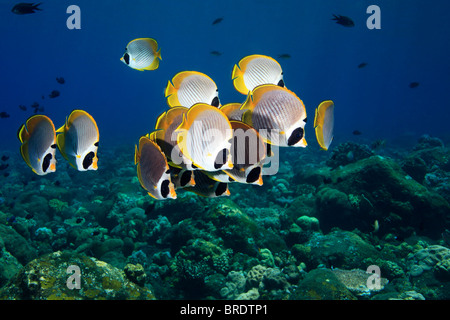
181, 178
38, 138
277, 114
255, 70
190, 87
204, 137
232, 111
247, 152
142, 54
78, 140
153, 170
324, 123
165, 136
207, 187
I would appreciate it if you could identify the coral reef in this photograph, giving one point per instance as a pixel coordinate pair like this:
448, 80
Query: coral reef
310, 232
48, 278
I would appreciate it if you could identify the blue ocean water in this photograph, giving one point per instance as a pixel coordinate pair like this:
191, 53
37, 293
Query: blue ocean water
411, 46
377, 99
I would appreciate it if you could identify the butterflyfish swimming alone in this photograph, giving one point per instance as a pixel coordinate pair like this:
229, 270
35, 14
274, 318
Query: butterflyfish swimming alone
190, 87
324, 123
78, 140
152, 170
277, 114
142, 54
256, 70
38, 138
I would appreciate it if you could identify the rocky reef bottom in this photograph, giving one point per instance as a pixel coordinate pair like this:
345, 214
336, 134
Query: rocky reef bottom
361, 222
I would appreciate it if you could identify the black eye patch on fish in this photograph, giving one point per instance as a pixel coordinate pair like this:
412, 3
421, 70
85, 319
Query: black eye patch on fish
221, 188
296, 136
165, 188
253, 175
87, 161
215, 102
46, 162
185, 178
126, 57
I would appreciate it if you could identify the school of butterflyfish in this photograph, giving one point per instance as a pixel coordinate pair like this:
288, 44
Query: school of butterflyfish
77, 140
198, 144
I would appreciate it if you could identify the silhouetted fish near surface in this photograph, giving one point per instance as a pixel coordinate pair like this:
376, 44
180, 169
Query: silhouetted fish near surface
60, 80
4, 158
362, 65
343, 20
216, 53
4, 115
357, 133
54, 94
413, 85
26, 8
218, 20
22, 107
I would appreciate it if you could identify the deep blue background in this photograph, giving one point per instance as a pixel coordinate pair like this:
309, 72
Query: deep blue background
412, 45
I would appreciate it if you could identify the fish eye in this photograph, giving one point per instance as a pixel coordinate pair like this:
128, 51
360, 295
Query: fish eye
46, 162
126, 58
87, 161
215, 102
253, 175
185, 178
165, 188
221, 158
280, 83
221, 188
296, 136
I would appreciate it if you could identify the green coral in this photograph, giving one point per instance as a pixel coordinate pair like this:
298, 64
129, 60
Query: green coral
57, 205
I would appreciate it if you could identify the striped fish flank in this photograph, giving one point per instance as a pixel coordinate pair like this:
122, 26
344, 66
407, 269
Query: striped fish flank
190, 87
255, 70
204, 137
277, 114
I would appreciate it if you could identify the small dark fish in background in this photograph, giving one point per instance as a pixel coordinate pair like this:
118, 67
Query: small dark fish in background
37, 107
4, 166
218, 20
343, 20
6, 174
357, 132
413, 85
4, 158
22, 107
362, 65
54, 94
216, 53
4, 115
60, 80
26, 8
284, 56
